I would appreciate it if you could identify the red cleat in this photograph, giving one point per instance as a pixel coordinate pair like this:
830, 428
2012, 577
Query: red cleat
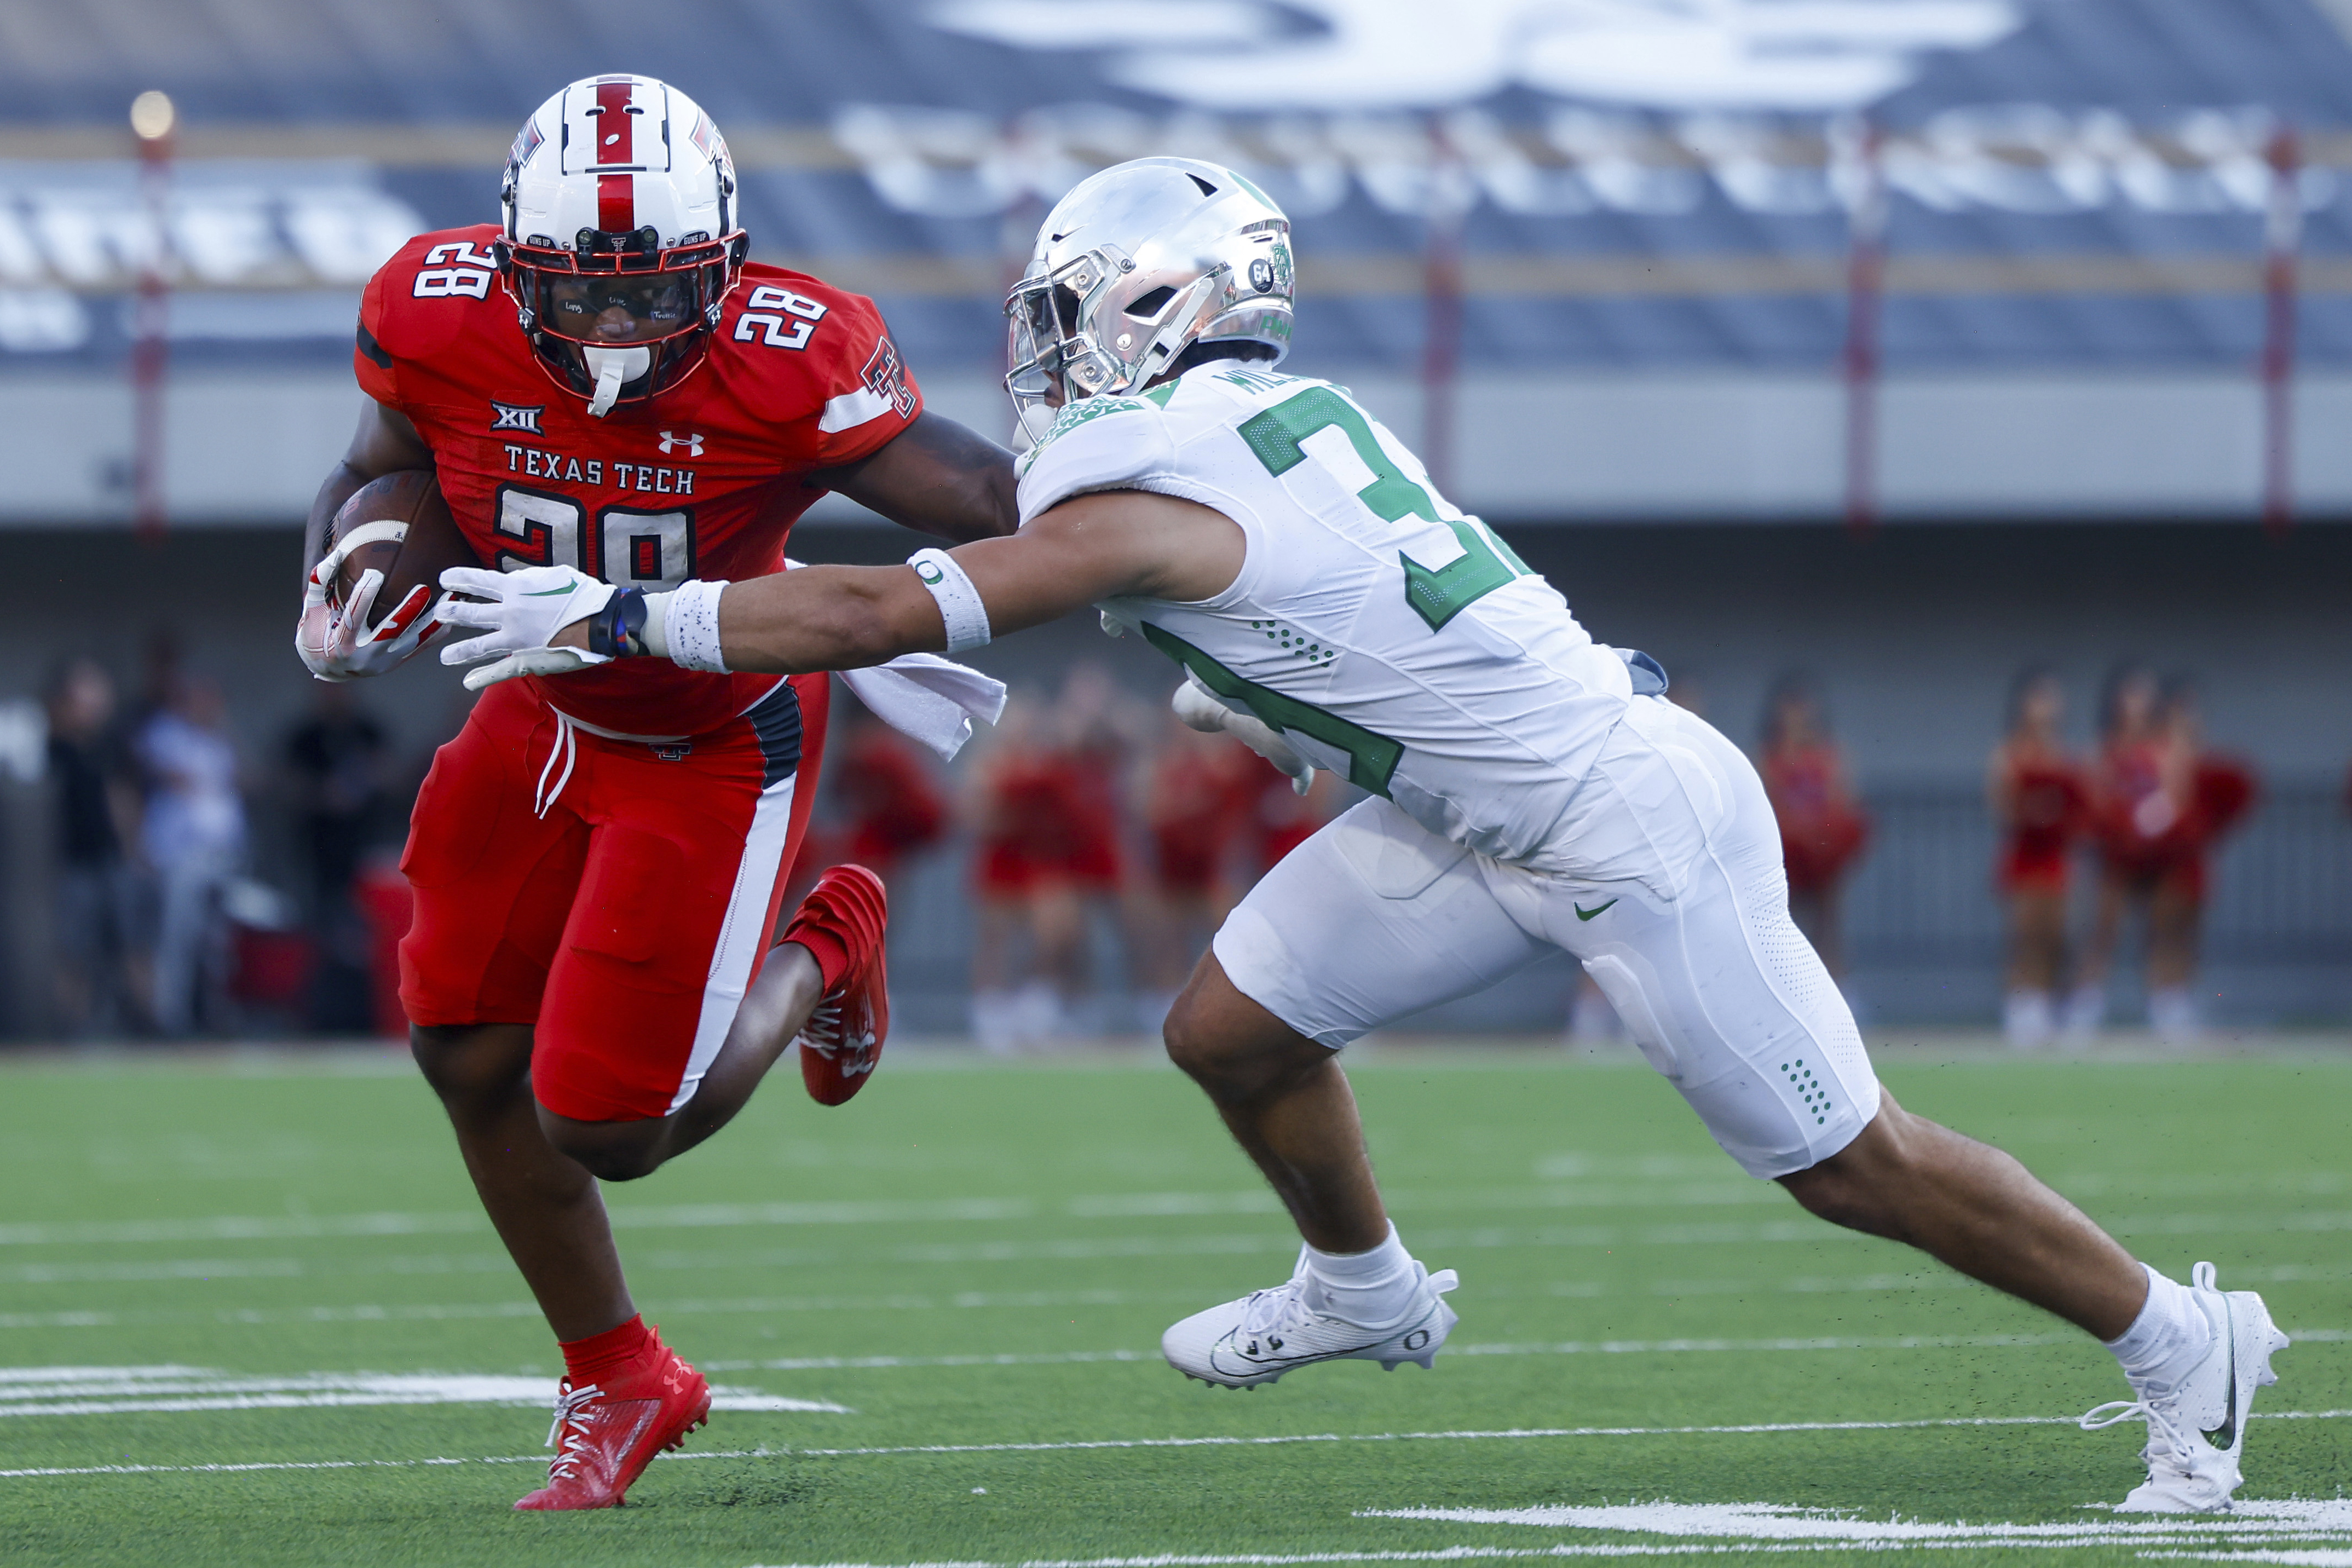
607, 1433
842, 1039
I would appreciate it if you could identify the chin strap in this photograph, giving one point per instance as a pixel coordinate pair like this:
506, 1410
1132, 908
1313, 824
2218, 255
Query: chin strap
613, 369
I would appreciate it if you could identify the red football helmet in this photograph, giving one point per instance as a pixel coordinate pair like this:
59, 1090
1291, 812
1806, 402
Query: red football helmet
621, 244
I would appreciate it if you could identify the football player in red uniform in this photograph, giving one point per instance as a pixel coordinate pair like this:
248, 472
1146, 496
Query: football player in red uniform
603, 381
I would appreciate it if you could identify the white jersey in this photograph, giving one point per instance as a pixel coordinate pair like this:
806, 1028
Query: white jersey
1393, 639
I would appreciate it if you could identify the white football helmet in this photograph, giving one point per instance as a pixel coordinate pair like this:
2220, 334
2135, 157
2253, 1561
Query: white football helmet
1136, 264
620, 237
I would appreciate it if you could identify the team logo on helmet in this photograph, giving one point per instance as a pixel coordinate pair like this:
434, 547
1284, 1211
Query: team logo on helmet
620, 252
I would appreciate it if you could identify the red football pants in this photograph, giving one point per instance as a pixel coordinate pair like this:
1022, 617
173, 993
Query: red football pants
619, 895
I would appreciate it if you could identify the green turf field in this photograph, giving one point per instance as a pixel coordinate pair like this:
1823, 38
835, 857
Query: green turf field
963, 1276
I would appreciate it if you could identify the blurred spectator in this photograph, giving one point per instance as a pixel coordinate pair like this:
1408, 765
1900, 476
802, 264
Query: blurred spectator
1200, 795
2042, 803
1284, 819
102, 973
1100, 735
1050, 858
194, 837
1822, 828
2161, 801
338, 762
1015, 805
890, 792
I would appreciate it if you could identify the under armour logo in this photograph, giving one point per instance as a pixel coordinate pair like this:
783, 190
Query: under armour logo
670, 443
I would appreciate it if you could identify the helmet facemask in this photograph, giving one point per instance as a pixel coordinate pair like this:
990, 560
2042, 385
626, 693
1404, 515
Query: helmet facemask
617, 318
618, 241
1090, 329
1177, 252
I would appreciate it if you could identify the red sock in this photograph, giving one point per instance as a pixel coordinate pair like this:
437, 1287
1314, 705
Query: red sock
832, 954
599, 1356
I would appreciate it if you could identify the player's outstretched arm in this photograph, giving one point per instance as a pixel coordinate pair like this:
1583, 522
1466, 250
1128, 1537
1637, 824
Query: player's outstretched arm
936, 476
549, 620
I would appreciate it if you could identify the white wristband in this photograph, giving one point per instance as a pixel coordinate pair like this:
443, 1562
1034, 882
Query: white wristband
654, 634
689, 623
959, 601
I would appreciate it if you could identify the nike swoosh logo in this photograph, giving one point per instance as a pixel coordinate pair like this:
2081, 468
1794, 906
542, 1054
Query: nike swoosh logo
2226, 1434
1584, 914
546, 593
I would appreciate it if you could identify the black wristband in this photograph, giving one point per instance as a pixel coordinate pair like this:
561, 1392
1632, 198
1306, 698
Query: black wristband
617, 631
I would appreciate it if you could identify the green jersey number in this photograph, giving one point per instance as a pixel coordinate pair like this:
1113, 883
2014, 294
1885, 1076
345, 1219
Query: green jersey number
1371, 759
1486, 562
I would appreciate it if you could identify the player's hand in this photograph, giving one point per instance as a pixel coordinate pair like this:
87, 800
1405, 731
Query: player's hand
520, 617
338, 644
1200, 710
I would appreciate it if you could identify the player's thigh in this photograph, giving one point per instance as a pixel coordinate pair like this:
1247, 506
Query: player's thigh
676, 909
492, 879
1720, 990
1372, 919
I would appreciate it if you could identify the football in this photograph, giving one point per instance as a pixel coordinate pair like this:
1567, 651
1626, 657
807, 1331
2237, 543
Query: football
433, 543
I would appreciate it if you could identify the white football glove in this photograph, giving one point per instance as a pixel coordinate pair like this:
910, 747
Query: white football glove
338, 645
523, 612
1202, 710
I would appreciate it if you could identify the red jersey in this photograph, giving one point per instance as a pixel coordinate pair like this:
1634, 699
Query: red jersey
705, 480
2144, 816
1202, 795
2048, 805
1821, 830
898, 807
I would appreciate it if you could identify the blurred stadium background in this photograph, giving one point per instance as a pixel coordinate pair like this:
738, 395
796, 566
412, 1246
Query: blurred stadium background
1903, 344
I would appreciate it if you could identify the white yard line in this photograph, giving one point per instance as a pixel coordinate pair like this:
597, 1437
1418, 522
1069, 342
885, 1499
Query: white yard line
264, 1227
1511, 1435
408, 1265
1520, 1554
1568, 1347
160, 1268
962, 1301
110, 1391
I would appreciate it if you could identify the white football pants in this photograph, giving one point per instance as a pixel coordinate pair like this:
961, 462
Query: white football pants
1671, 895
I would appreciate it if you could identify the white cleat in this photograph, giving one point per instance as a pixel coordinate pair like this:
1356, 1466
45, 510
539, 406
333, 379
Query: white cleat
1268, 1332
2195, 1431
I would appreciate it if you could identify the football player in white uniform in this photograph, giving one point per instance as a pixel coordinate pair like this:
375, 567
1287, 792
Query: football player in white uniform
1528, 789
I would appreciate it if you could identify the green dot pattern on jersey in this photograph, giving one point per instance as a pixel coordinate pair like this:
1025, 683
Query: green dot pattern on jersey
1372, 758
1295, 642
1817, 1095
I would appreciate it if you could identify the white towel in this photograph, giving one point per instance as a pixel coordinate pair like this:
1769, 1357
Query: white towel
926, 698
929, 698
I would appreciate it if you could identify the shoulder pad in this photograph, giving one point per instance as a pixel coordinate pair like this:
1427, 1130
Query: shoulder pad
419, 301
1097, 444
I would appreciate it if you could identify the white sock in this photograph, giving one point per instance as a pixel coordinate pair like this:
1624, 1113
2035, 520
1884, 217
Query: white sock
2028, 1018
2172, 1012
2086, 1009
2167, 1338
1364, 1286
